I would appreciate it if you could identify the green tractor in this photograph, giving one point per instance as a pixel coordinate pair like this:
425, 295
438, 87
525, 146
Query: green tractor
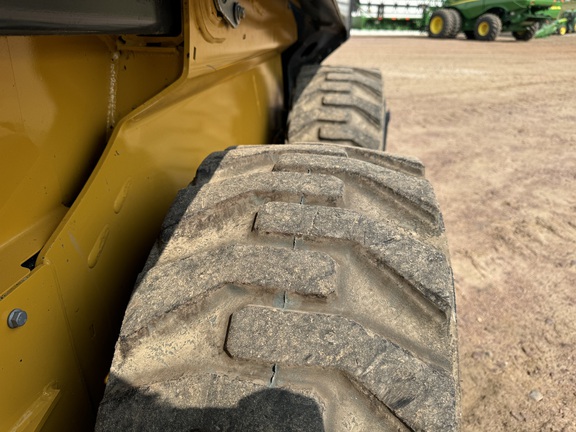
485, 19
565, 24
558, 27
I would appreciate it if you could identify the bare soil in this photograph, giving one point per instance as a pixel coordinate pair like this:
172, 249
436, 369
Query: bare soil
495, 125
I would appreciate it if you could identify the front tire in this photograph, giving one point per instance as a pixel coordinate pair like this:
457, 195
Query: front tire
441, 25
293, 288
487, 27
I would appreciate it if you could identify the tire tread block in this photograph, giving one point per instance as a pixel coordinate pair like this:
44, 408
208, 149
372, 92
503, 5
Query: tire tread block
344, 134
189, 280
372, 83
416, 192
424, 267
421, 396
272, 185
235, 159
372, 112
342, 105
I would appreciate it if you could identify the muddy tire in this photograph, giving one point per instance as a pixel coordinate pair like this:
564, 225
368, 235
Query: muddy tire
339, 105
293, 288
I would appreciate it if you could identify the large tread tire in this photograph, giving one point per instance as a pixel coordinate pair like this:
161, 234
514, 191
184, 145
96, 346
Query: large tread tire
293, 288
442, 24
487, 27
339, 105
456, 25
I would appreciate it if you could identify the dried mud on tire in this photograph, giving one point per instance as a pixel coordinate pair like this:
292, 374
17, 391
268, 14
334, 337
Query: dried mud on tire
294, 287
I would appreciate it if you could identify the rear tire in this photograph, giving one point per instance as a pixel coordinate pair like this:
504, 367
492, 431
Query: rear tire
487, 27
339, 105
293, 288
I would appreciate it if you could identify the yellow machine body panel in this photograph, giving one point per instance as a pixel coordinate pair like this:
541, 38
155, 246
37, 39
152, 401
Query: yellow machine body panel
97, 135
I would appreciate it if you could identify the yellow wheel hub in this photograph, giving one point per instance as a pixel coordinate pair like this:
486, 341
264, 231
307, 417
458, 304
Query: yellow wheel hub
436, 25
562, 31
483, 28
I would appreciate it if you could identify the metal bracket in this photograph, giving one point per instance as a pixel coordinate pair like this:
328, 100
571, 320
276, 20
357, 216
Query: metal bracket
231, 10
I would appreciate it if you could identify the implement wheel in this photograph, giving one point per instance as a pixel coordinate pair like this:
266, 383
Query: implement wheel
442, 24
488, 27
526, 34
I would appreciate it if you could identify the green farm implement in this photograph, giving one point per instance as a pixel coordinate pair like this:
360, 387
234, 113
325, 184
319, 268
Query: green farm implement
478, 19
394, 15
566, 23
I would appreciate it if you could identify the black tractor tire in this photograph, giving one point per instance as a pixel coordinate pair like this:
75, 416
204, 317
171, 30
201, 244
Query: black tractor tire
525, 35
457, 23
293, 288
487, 27
442, 24
339, 105
469, 34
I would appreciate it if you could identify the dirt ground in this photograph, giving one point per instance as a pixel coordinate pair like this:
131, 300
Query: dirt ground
495, 124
